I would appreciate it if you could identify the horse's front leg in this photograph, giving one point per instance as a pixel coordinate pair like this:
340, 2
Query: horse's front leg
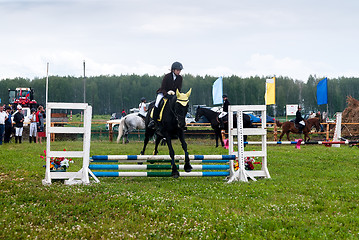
280, 137
288, 135
217, 134
145, 142
157, 142
175, 172
187, 165
221, 137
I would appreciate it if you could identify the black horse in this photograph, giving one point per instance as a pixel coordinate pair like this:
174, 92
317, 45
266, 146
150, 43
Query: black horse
172, 125
212, 117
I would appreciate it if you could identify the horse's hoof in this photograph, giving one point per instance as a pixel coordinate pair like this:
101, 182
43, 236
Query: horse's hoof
187, 167
142, 153
175, 174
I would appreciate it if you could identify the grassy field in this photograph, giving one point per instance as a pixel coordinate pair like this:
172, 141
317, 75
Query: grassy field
313, 194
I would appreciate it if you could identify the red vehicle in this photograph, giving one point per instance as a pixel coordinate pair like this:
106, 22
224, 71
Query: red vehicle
22, 96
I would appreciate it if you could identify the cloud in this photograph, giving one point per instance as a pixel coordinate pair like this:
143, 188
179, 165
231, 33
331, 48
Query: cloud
269, 65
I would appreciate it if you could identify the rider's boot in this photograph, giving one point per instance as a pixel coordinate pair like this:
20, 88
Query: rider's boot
221, 123
152, 124
301, 128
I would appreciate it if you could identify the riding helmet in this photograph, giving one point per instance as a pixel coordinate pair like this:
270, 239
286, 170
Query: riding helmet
143, 99
177, 65
224, 96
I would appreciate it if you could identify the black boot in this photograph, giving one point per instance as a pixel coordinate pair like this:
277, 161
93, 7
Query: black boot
221, 123
20, 139
16, 137
30, 139
34, 139
152, 124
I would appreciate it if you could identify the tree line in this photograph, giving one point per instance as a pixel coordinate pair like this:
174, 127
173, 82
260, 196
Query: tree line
109, 94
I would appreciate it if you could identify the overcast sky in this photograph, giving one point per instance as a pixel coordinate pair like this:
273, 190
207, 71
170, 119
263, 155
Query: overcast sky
218, 38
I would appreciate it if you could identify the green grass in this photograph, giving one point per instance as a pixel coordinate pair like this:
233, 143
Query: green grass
313, 194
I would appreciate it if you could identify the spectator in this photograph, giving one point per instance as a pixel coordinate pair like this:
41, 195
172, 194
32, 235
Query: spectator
8, 125
33, 126
123, 113
19, 124
3, 117
40, 123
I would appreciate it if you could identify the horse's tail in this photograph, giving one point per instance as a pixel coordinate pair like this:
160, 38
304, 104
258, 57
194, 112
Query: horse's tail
279, 124
120, 129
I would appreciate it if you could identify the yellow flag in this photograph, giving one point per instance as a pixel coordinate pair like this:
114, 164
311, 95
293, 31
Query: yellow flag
270, 91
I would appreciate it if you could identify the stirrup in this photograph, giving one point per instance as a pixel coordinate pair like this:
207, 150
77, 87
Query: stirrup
152, 124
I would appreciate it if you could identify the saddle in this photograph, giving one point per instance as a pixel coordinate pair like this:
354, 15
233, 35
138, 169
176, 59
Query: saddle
143, 117
224, 119
161, 107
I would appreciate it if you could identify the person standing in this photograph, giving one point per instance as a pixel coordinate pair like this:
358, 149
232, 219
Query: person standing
170, 83
8, 125
3, 118
33, 126
19, 124
123, 113
142, 108
299, 120
226, 103
39, 123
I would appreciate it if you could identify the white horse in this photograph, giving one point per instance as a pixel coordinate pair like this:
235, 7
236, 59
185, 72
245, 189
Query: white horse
127, 124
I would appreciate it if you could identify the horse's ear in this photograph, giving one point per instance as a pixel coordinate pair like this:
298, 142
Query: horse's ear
178, 94
189, 92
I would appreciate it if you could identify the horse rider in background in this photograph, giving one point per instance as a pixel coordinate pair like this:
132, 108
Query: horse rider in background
226, 103
170, 83
142, 108
299, 120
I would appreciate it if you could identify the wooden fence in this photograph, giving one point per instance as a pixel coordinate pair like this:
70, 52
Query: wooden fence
272, 129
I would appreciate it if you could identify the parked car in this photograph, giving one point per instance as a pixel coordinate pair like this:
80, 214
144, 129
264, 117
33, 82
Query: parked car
258, 119
270, 119
190, 118
254, 118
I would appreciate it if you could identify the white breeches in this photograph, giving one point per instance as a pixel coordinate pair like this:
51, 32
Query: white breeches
33, 130
158, 99
18, 131
222, 114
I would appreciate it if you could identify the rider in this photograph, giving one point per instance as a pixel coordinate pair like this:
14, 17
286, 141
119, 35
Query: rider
226, 103
299, 121
170, 83
142, 107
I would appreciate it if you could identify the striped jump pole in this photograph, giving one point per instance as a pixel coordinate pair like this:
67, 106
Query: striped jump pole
160, 174
162, 157
158, 162
305, 143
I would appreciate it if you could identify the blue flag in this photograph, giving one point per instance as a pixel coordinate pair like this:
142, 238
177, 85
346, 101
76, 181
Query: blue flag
322, 92
217, 91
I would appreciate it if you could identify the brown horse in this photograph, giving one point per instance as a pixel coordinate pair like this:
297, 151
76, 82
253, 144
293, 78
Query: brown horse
288, 127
